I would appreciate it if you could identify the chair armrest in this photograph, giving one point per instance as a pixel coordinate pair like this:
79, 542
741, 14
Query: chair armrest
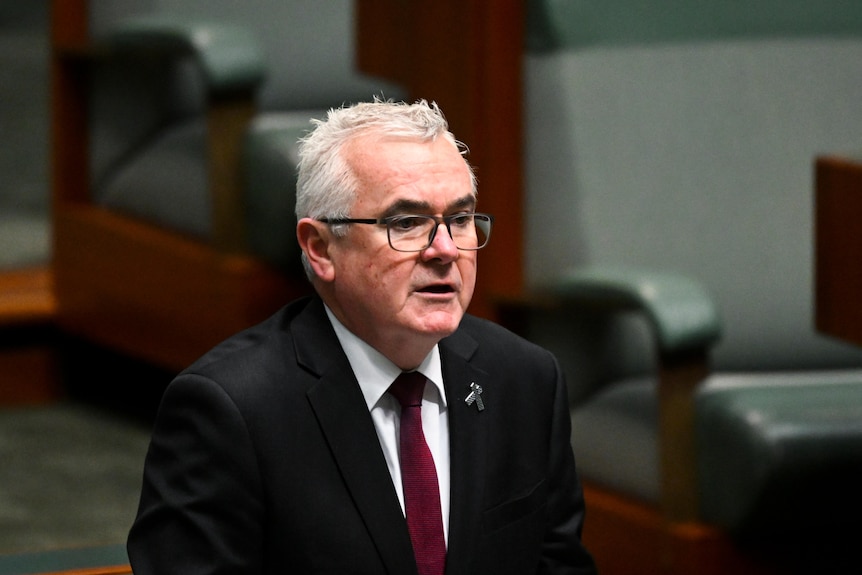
680, 311
685, 324
231, 58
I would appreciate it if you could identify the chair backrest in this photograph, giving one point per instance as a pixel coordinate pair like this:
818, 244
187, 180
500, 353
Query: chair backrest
148, 145
309, 45
680, 135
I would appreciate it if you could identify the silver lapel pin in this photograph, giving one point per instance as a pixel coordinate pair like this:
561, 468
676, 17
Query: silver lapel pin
475, 396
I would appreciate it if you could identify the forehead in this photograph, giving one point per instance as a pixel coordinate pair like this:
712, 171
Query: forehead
399, 170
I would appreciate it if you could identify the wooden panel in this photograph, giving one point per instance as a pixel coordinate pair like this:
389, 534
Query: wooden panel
29, 375
838, 248
69, 110
155, 294
465, 55
28, 370
626, 536
26, 297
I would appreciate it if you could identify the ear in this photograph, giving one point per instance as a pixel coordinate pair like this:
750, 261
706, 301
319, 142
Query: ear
314, 238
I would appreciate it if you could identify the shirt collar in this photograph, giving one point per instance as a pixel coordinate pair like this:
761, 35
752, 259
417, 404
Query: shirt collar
374, 372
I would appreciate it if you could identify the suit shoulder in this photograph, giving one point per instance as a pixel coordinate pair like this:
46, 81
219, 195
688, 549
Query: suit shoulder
479, 326
262, 345
496, 338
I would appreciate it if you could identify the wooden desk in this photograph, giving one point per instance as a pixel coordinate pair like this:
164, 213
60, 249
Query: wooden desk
838, 247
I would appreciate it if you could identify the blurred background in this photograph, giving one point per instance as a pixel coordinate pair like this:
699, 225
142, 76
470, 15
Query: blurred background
24, 49
676, 189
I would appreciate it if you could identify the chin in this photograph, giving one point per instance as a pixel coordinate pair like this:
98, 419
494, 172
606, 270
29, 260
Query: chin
441, 326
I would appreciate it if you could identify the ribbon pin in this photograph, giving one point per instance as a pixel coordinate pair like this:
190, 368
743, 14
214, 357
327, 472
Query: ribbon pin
475, 396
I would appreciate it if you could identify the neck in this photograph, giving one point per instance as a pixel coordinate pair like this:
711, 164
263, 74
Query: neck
407, 361
407, 352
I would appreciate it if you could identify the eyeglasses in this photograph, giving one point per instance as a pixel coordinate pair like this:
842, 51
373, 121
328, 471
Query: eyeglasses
410, 233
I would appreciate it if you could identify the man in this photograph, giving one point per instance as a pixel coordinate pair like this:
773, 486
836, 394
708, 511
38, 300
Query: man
284, 449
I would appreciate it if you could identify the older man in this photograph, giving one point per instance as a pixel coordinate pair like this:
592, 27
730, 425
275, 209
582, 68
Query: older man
374, 428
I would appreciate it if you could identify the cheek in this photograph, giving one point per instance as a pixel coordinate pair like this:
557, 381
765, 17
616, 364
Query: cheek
467, 268
377, 278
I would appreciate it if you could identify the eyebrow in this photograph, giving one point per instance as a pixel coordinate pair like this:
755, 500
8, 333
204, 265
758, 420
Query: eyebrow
405, 206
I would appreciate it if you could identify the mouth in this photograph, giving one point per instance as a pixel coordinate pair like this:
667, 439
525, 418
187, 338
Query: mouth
437, 289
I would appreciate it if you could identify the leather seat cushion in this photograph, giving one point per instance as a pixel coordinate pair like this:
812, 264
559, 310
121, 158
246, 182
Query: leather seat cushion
775, 451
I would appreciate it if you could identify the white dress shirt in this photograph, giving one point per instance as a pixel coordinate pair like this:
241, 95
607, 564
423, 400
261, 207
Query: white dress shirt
375, 374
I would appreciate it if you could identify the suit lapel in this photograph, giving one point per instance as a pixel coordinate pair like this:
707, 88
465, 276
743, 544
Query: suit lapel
467, 445
342, 414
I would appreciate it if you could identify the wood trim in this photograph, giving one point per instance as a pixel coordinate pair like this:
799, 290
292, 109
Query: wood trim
227, 120
69, 23
838, 248
466, 55
153, 293
27, 297
679, 376
69, 160
628, 536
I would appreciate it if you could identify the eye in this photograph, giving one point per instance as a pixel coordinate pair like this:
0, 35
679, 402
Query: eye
461, 220
407, 223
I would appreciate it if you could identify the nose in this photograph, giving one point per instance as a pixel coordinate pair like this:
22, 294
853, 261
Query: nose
442, 245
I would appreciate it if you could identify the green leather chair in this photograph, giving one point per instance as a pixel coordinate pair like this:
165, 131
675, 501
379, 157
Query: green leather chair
175, 132
669, 163
293, 60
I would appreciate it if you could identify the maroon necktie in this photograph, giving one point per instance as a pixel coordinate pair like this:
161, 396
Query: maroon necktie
419, 478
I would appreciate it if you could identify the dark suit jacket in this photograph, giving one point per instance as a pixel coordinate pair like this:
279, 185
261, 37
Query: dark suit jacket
264, 459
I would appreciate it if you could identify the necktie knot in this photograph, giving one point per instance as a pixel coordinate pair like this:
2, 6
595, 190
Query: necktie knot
408, 388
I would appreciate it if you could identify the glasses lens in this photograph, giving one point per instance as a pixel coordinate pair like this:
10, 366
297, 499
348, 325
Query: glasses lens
482, 225
410, 233
413, 233
467, 232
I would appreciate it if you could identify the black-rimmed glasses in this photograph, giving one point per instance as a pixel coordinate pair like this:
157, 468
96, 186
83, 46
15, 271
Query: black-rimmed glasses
410, 233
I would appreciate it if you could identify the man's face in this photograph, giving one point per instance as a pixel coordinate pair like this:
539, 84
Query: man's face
394, 300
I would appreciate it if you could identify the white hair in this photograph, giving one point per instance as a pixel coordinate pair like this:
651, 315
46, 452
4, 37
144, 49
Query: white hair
326, 186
